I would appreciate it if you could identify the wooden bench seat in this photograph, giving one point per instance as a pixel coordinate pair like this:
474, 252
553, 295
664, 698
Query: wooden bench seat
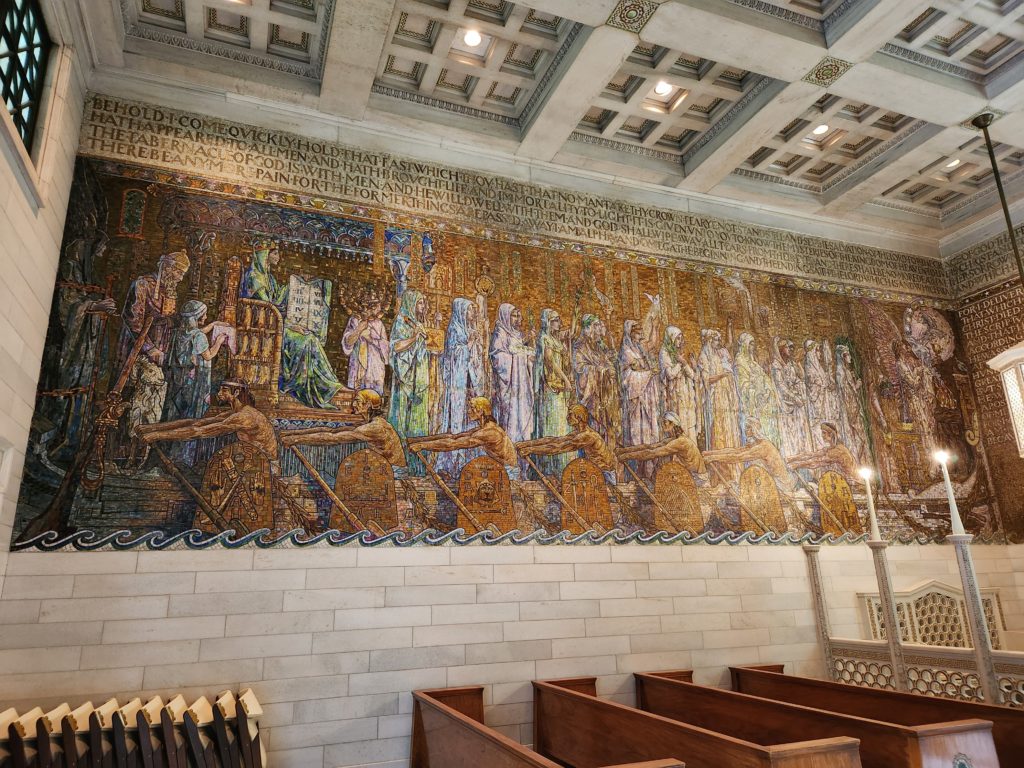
882, 744
905, 708
575, 728
448, 732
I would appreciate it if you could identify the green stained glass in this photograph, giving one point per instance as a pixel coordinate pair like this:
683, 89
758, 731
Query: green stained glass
24, 51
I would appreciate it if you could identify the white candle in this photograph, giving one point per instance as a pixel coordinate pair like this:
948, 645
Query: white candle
954, 513
872, 517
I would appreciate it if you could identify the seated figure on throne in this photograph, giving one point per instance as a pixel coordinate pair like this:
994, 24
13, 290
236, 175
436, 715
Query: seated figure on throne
306, 373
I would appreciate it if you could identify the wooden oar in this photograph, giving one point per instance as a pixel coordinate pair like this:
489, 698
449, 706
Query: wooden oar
213, 514
561, 499
351, 516
448, 492
736, 496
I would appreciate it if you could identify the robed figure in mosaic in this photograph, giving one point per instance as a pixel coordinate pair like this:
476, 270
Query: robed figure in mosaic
151, 303
597, 383
794, 424
720, 398
409, 411
852, 419
365, 341
552, 389
306, 373
641, 396
758, 397
679, 383
71, 364
462, 371
512, 367
822, 402
188, 371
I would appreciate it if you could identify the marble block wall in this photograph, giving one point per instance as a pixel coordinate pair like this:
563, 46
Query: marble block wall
333, 640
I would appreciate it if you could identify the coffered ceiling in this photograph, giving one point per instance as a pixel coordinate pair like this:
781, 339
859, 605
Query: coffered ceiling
849, 111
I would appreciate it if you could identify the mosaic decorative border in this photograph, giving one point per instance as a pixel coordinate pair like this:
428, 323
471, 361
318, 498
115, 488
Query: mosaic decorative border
198, 540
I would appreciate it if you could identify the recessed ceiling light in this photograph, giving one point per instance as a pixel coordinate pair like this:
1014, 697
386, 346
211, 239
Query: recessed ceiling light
953, 163
472, 38
663, 88
821, 129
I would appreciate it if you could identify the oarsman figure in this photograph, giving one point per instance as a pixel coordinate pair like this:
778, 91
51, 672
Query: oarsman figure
758, 450
241, 419
583, 438
375, 431
678, 447
833, 456
486, 435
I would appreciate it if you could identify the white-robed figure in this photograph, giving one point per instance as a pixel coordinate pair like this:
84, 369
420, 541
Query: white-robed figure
641, 393
822, 399
679, 383
462, 371
720, 397
512, 370
365, 341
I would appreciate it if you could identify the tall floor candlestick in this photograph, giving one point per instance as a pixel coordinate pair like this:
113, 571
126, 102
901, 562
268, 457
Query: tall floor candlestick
954, 512
893, 630
867, 474
820, 609
982, 640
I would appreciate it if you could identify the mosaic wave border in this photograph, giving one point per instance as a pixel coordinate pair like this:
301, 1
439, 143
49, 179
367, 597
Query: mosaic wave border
195, 539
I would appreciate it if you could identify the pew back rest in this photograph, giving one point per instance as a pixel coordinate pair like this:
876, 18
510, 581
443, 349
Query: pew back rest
449, 732
578, 728
881, 743
768, 681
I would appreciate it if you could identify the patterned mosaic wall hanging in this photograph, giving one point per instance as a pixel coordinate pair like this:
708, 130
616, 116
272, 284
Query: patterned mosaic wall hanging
220, 362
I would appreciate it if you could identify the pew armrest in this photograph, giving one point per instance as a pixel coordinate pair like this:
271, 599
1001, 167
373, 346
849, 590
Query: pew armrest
734, 672
670, 763
585, 685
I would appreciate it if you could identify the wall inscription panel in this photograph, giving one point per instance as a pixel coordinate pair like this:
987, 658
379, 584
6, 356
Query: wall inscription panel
993, 321
260, 337
179, 141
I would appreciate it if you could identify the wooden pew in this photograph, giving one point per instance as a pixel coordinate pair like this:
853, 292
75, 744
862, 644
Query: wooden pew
882, 744
905, 708
448, 731
574, 727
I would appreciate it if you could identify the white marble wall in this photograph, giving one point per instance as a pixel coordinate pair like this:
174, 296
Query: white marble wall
31, 227
333, 640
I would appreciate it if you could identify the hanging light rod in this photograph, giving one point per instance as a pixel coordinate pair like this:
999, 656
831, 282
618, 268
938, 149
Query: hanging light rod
982, 122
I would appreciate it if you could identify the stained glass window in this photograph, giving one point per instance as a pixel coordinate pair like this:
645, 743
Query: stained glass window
24, 50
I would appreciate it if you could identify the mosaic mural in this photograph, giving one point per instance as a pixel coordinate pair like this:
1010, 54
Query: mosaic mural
218, 360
